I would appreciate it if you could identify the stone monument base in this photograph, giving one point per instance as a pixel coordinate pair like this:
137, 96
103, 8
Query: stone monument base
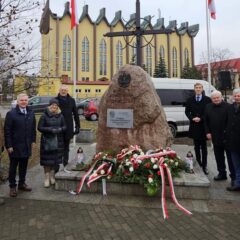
187, 186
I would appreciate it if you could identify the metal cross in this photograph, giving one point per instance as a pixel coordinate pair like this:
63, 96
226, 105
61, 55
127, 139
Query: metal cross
138, 32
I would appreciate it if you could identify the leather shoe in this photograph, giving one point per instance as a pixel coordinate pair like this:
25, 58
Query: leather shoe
13, 192
205, 170
24, 187
220, 177
233, 188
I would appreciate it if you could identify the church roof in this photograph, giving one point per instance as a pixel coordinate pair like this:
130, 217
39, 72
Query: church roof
102, 17
146, 22
159, 25
117, 19
85, 14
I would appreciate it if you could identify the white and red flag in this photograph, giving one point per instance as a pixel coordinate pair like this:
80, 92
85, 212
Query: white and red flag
74, 14
212, 9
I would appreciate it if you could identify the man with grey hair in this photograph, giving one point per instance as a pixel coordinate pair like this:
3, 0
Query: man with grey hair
233, 137
215, 124
19, 134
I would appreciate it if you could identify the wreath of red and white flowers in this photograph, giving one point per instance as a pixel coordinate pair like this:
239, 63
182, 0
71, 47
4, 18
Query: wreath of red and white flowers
133, 165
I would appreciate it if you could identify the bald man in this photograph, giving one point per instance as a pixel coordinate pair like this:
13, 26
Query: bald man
69, 110
215, 125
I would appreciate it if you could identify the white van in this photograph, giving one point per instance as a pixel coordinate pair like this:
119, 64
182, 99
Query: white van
173, 93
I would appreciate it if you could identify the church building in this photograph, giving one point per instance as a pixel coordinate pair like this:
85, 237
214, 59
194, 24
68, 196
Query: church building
98, 58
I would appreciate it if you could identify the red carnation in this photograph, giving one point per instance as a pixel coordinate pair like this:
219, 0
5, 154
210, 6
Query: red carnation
126, 172
135, 166
172, 155
158, 173
147, 165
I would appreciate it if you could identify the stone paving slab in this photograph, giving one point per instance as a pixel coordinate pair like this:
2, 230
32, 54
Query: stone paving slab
23, 219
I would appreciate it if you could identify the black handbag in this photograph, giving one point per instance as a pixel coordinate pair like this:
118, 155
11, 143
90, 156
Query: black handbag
50, 143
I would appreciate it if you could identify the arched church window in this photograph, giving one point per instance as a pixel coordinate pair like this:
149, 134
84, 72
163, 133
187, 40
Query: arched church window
186, 57
162, 52
85, 55
119, 55
134, 54
103, 57
174, 63
149, 59
66, 53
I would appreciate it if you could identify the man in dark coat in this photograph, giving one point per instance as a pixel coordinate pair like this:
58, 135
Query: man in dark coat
195, 107
215, 125
20, 134
233, 137
69, 111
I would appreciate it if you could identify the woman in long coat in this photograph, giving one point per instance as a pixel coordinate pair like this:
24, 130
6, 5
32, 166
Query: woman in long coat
52, 126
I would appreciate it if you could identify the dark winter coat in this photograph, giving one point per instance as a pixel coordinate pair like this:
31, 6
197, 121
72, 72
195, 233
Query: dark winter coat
69, 110
52, 126
196, 109
20, 132
1, 136
215, 122
233, 128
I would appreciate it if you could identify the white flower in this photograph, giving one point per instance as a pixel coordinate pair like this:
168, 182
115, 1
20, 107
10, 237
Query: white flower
153, 160
141, 153
128, 163
155, 166
171, 161
95, 171
131, 169
109, 177
102, 172
150, 180
176, 164
139, 161
135, 155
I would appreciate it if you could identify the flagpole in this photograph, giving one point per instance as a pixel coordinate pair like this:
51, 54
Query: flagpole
74, 61
208, 44
74, 68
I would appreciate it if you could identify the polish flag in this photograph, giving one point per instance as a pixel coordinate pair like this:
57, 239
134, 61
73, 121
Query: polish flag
212, 9
74, 15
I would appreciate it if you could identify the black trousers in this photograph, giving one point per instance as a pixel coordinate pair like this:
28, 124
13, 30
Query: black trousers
21, 163
66, 151
200, 147
220, 160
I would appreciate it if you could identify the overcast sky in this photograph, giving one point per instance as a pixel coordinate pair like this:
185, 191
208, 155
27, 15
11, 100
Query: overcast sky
225, 30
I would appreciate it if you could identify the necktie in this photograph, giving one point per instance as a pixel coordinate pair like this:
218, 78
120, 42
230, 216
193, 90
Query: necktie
198, 98
24, 111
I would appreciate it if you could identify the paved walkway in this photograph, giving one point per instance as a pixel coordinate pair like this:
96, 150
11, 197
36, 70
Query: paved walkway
49, 214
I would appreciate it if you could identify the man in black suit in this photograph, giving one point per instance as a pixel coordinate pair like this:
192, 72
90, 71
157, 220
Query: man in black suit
215, 124
195, 107
20, 134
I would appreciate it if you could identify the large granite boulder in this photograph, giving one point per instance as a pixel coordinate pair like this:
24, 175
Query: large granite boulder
132, 88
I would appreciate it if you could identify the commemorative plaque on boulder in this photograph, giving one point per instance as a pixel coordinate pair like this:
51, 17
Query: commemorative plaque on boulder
130, 113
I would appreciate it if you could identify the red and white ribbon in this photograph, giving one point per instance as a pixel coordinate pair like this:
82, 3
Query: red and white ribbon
163, 166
